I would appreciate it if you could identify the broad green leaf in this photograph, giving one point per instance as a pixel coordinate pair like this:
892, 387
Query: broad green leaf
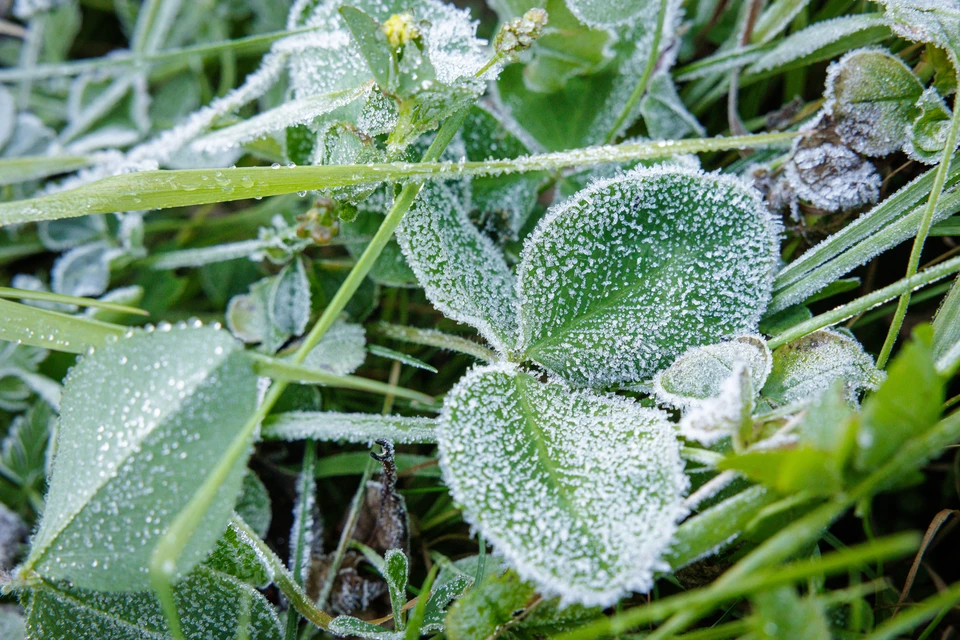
143, 420
396, 571
487, 607
827, 425
699, 373
927, 134
462, 272
781, 613
349, 427
235, 556
211, 605
31, 326
341, 351
372, 43
807, 367
664, 113
789, 471
609, 13
946, 332
289, 300
579, 492
253, 504
936, 22
906, 404
620, 279
871, 95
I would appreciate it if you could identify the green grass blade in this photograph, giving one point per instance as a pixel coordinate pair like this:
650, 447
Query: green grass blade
35, 327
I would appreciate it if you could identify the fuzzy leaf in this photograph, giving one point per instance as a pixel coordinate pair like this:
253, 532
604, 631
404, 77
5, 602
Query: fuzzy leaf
579, 492
933, 21
664, 113
870, 95
699, 373
349, 427
142, 422
396, 571
442, 595
346, 626
211, 605
462, 272
609, 13
289, 299
341, 351
622, 278
807, 367
927, 134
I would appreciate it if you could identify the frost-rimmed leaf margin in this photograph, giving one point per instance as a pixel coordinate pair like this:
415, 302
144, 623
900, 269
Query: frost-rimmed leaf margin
633, 513
609, 354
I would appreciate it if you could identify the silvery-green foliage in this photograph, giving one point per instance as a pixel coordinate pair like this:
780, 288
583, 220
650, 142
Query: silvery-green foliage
13, 532
609, 13
623, 277
180, 395
20, 379
60, 235
12, 624
254, 505
348, 427
347, 626
934, 21
946, 332
512, 447
24, 453
664, 113
85, 270
462, 271
289, 299
236, 554
709, 421
443, 594
870, 94
700, 372
211, 604
396, 571
341, 350
927, 134
807, 367
827, 173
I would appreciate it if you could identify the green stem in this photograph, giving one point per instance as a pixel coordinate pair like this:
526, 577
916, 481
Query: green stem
918, 242
641, 87
866, 302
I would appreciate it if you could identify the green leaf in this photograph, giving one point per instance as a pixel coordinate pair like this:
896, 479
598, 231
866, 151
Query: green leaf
288, 307
809, 366
211, 605
396, 572
620, 279
701, 371
871, 94
609, 13
664, 113
442, 595
346, 626
398, 356
927, 134
803, 469
142, 422
235, 556
35, 327
349, 427
936, 23
390, 269
946, 332
341, 351
728, 413
579, 492
484, 609
905, 406
463, 273
24, 452
781, 613
372, 43
12, 624
254, 505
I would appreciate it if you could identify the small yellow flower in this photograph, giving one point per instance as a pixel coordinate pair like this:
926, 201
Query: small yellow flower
400, 29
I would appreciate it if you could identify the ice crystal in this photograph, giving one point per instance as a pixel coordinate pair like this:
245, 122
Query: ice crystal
700, 372
579, 492
828, 174
807, 367
620, 279
462, 272
348, 427
142, 421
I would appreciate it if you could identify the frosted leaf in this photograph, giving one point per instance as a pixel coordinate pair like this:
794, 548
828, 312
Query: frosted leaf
399, 356
664, 113
8, 115
579, 492
623, 277
434, 614
30, 137
253, 504
347, 626
723, 415
202, 255
348, 427
390, 269
807, 41
700, 372
934, 21
288, 307
105, 138
143, 421
608, 13
870, 95
462, 272
341, 351
211, 605
60, 235
289, 114
236, 556
828, 174
807, 367
12, 624
130, 296
84, 271
396, 571
946, 332
246, 317
927, 134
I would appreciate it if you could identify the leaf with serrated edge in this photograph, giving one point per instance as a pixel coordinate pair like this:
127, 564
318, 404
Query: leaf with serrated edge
143, 420
579, 492
870, 94
807, 367
699, 373
623, 277
462, 272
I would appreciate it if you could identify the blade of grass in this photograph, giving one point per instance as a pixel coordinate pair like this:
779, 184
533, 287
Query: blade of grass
35, 327
44, 296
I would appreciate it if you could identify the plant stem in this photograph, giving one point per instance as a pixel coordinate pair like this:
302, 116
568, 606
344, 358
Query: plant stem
641, 87
918, 242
